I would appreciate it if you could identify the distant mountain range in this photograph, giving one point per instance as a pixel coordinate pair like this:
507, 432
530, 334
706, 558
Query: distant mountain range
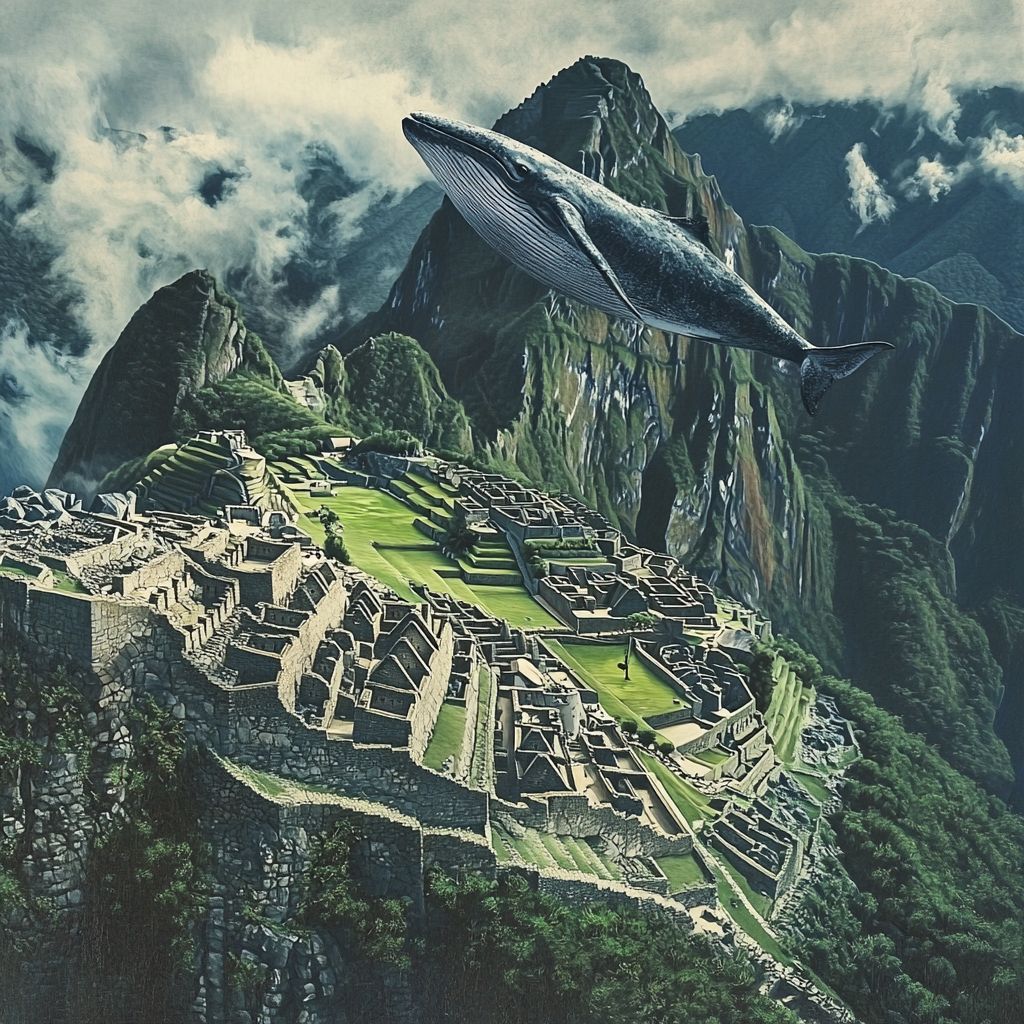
882, 183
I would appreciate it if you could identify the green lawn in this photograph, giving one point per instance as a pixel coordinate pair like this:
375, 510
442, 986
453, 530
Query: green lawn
742, 917
692, 804
381, 539
446, 740
712, 756
12, 570
682, 870
813, 785
640, 695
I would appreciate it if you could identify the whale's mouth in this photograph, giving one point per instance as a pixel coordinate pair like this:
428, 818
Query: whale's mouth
428, 130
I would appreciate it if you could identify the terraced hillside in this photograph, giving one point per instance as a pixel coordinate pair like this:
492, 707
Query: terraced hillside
388, 538
205, 475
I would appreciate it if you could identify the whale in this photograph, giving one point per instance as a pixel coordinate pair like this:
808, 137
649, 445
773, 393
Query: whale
635, 263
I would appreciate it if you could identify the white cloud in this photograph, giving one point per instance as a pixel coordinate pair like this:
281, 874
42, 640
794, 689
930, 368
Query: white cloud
38, 393
868, 197
781, 120
1002, 155
933, 178
249, 86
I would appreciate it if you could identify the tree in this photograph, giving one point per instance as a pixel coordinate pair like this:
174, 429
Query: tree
637, 622
459, 536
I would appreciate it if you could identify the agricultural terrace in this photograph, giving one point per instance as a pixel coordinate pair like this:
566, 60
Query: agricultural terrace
787, 710
382, 540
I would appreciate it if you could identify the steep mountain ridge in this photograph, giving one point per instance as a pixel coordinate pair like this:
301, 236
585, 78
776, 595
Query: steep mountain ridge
705, 450
187, 336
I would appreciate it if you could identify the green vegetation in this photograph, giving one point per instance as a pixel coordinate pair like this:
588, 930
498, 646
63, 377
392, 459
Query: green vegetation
527, 957
693, 805
371, 929
642, 694
381, 538
446, 740
547, 850
780, 675
393, 385
740, 913
934, 930
682, 870
390, 442
712, 757
917, 652
812, 784
269, 416
145, 881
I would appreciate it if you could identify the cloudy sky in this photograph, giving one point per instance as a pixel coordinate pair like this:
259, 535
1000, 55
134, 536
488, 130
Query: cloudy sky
246, 85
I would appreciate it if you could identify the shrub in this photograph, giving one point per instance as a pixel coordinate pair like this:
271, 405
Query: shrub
646, 736
334, 547
666, 746
629, 726
390, 442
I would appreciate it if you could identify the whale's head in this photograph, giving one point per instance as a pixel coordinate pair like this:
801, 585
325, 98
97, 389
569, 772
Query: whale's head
481, 169
523, 203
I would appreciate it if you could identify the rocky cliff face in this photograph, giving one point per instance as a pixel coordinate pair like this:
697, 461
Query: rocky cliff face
189, 335
706, 452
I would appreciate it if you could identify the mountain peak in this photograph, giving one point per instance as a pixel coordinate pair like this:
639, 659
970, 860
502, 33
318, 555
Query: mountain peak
187, 335
593, 115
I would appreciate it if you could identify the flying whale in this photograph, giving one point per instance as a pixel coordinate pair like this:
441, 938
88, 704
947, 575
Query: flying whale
581, 239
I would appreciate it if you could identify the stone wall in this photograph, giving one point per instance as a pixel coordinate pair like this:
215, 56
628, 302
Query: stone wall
86, 630
298, 658
125, 538
155, 573
433, 689
264, 852
575, 816
262, 734
578, 890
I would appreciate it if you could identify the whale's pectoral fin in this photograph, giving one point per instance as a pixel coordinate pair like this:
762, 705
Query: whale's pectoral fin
822, 367
569, 220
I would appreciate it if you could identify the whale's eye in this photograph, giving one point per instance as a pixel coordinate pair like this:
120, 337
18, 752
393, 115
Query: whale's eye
519, 170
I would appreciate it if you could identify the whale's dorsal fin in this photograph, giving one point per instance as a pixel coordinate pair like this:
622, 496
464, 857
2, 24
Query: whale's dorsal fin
695, 227
571, 222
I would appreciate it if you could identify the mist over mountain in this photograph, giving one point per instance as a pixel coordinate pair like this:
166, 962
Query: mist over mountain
946, 206
258, 144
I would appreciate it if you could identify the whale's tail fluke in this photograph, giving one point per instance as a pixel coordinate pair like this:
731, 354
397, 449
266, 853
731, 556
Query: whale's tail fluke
822, 367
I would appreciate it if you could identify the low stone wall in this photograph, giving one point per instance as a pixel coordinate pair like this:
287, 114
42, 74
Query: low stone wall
579, 890
155, 573
575, 816
458, 853
113, 551
713, 734
262, 734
